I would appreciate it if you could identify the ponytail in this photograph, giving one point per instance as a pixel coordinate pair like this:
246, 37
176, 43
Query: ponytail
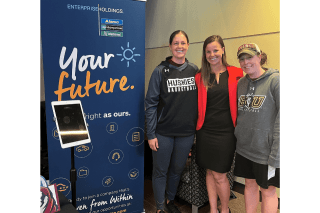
263, 58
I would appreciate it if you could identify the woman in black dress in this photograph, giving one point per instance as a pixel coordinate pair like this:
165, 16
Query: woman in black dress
217, 113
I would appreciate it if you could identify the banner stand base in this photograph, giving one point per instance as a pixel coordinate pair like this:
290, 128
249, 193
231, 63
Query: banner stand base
73, 179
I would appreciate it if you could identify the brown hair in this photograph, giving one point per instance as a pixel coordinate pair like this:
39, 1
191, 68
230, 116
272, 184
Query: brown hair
175, 33
205, 66
264, 58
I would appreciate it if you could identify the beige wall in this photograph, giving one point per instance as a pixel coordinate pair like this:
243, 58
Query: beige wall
202, 18
237, 22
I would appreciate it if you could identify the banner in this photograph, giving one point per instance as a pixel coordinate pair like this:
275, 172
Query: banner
93, 51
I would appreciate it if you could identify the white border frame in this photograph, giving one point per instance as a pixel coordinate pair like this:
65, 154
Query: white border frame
76, 143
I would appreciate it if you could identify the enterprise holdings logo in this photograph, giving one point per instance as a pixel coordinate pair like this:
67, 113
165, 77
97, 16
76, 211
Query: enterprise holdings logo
111, 27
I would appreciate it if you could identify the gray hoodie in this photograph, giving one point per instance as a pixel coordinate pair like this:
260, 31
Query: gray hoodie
258, 121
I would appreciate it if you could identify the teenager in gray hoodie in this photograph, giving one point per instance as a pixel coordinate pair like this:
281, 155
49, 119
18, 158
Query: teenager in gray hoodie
258, 129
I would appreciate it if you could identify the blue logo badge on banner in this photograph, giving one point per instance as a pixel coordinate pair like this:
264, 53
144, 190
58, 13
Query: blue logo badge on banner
111, 21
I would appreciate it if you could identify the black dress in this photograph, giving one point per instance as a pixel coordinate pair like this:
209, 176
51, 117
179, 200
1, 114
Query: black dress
216, 142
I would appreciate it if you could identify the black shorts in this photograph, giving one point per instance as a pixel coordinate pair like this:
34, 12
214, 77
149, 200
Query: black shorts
248, 169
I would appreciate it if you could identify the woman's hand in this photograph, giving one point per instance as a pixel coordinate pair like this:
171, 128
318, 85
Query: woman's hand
153, 144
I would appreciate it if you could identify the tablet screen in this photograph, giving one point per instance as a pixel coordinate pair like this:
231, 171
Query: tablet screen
70, 123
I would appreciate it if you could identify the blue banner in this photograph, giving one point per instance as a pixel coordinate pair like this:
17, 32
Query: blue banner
94, 51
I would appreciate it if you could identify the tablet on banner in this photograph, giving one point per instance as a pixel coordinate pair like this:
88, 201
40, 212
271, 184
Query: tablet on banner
71, 124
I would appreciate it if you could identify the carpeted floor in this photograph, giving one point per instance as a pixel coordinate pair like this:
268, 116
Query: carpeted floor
236, 205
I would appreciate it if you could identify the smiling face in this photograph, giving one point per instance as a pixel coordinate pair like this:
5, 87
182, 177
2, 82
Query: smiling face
250, 65
214, 53
179, 48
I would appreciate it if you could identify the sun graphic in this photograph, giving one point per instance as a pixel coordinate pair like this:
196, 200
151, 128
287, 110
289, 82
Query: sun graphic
128, 54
